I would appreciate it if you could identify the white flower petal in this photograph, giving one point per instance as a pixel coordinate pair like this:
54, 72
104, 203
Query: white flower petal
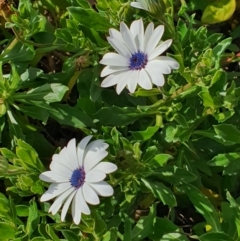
116, 35
119, 47
59, 167
128, 38
148, 33
90, 195
123, 81
96, 146
170, 61
81, 149
144, 80
112, 79
59, 200
114, 59
82, 205
76, 213
92, 160
134, 29
159, 66
137, 31
112, 69
157, 77
72, 152
55, 209
154, 39
160, 49
102, 188
51, 176
142, 4
95, 176
66, 206
106, 167
65, 159
137, 5
54, 190
133, 81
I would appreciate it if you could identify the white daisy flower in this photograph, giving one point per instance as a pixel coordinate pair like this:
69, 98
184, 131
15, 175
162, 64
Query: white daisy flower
142, 4
77, 176
137, 61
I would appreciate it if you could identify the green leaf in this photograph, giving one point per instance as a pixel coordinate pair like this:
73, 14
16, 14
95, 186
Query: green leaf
70, 235
202, 205
19, 52
221, 47
228, 133
111, 235
162, 159
5, 211
161, 192
33, 218
3, 166
7, 153
35, 113
28, 155
48, 92
214, 236
224, 160
231, 162
144, 226
236, 208
145, 135
7, 231
70, 116
164, 228
127, 230
22, 210
143, 92
51, 233
218, 11
174, 175
116, 116
39, 239
89, 18
31, 74
100, 225
15, 129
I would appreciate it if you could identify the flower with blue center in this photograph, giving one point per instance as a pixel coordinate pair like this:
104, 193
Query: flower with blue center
137, 62
76, 177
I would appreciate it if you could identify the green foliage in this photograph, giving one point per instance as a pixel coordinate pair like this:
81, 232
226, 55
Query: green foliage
176, 146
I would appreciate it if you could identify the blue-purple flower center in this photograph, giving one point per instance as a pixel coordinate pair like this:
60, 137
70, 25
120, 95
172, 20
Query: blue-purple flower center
77, 178
138, 61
